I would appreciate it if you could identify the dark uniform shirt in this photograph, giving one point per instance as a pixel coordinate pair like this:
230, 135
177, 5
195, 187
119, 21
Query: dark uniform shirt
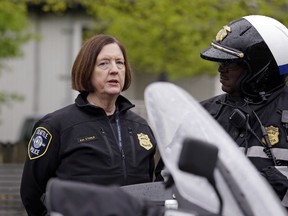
81, 143
243, 121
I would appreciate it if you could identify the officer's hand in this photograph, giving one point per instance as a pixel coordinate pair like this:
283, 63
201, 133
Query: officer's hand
276, 179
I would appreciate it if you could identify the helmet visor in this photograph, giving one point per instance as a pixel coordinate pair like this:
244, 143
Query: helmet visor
220, 53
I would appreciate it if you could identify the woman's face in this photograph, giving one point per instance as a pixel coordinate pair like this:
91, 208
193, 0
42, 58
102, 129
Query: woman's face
230, 73
109, 72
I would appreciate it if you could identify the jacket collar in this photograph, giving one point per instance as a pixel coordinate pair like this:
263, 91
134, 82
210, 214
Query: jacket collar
122, 103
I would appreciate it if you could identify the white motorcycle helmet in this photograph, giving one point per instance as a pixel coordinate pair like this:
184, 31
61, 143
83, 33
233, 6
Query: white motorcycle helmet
260, 42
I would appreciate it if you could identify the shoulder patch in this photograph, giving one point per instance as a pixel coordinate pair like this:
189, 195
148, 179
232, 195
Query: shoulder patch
39, 143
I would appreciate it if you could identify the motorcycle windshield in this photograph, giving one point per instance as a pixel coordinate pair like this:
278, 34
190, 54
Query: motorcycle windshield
174, 115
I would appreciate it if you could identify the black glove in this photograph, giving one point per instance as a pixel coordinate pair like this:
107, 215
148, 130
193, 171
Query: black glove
276, 179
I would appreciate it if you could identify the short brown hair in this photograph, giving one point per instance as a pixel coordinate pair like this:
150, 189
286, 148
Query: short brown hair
85, 61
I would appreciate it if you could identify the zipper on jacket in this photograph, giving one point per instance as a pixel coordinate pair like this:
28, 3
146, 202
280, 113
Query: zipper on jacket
130, 131
107, 145
119, 142
124, 165
121, 152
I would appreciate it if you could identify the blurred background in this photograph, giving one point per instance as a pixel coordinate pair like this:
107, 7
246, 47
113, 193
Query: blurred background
40, 39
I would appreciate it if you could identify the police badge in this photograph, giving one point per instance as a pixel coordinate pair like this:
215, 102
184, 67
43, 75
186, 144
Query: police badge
144, 141
223, 33
273, 134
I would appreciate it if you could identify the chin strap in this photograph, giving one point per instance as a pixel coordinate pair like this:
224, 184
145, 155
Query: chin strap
263, 97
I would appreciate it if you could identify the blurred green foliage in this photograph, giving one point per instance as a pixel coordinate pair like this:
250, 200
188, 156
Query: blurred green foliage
160, 36
168, 35
13, 26
13, 33
7, 98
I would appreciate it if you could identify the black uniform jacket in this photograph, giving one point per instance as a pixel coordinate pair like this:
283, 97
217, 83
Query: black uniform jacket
80, 142
246, 130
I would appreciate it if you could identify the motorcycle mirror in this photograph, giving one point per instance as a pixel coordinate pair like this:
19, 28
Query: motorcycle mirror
198, 157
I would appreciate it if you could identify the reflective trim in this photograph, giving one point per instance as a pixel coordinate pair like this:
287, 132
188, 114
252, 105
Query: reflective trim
235, 53
283, 170
257, 151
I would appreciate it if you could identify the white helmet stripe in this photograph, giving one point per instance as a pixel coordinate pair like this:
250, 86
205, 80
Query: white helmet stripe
271, 29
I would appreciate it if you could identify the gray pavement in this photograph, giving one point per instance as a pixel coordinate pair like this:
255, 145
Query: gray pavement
10, 202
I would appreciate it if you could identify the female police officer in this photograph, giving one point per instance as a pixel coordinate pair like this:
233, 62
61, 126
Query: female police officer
253, 64
98, 139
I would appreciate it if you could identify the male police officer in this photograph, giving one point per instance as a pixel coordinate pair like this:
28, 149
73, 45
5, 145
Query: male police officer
253, 64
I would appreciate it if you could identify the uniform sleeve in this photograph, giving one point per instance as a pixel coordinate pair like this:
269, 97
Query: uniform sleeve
40, 166
277, 178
